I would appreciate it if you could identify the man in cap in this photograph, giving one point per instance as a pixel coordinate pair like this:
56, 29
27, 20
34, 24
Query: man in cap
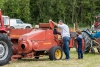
65, 36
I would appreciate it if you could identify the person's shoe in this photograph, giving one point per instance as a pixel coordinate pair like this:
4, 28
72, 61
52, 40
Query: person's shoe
79, 58
82, 58
66, 59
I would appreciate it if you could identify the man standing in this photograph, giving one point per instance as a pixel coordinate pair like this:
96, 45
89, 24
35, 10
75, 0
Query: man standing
65, 36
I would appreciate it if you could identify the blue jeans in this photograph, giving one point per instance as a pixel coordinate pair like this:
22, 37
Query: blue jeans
80, 52
66, 41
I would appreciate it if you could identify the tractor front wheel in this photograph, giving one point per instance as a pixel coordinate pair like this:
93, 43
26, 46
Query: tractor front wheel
92, 51
5, 49
55, 53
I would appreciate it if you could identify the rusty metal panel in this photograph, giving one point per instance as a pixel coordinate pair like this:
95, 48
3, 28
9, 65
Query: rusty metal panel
34, 35
49, 35
73, 34
46, 25
16, 33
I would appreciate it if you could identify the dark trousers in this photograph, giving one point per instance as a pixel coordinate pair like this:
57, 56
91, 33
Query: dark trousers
66, 46
80, 52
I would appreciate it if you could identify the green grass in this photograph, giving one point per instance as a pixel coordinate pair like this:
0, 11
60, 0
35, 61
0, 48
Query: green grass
89, 60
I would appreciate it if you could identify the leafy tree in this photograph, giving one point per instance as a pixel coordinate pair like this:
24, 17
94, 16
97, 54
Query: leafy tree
36, 11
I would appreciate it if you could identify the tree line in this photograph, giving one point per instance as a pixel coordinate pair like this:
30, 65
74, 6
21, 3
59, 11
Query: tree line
36, 11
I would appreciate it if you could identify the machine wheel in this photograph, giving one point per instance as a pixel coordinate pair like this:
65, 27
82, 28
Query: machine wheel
27, 27
12, 27
87, 50
92, 51
36, 57
98, 50
87, 40
55, 53
19, 58
5, 49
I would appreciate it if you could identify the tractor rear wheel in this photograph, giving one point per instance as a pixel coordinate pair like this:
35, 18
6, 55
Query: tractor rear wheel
55, 53
5, 49
87, 40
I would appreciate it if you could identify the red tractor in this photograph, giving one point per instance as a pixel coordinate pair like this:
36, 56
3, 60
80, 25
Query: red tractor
5, 43
96, 24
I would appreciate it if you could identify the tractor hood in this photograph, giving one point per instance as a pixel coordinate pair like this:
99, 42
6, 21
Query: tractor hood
34, 35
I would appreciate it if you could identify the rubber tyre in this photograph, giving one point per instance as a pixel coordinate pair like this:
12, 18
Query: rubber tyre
55, 53
92, 51
87, 40
12, 27
19, 58
98, 48
36, 55
27, 27
6, 49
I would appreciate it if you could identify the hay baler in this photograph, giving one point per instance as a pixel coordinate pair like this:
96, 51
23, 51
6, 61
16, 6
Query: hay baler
35, 43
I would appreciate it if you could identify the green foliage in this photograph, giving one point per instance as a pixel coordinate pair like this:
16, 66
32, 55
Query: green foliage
36, 11
17, 9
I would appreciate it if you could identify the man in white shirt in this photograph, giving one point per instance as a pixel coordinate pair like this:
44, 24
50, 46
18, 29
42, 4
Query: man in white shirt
65, 35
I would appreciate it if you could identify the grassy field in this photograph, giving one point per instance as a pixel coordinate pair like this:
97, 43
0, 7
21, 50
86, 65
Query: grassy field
89, 60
